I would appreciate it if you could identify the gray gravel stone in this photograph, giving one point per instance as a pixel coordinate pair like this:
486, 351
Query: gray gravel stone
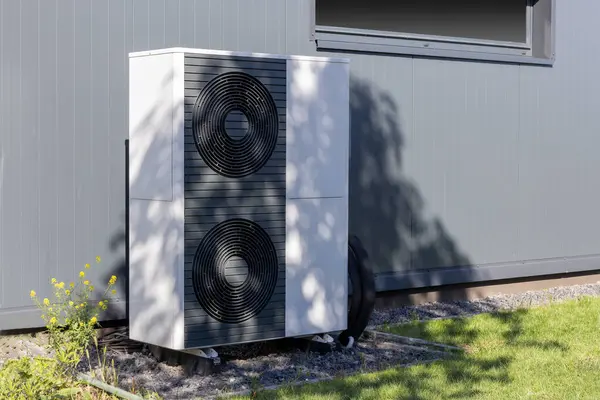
489, 304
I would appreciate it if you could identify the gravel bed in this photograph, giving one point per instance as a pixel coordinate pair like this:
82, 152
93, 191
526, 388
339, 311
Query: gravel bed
16, 346
264, 365
500, 302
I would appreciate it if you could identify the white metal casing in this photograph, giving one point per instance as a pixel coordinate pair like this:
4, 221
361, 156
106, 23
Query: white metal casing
317, 148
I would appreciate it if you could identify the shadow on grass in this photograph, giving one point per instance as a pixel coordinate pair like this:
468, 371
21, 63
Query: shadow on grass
423, 382
491, 345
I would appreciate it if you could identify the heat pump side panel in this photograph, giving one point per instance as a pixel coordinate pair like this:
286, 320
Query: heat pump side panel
317, 196
156, 229
318, 128
214, 196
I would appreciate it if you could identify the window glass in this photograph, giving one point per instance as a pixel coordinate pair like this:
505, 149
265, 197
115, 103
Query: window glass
498, 20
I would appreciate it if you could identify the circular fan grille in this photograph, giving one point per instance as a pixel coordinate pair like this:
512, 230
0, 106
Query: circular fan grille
226, 301
235, 91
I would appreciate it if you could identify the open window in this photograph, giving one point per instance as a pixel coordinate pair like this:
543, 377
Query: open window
497, 30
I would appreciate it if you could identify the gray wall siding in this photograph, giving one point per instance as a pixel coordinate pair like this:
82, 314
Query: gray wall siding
486, 166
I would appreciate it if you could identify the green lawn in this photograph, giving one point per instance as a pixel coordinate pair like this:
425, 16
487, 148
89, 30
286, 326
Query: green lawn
551, 352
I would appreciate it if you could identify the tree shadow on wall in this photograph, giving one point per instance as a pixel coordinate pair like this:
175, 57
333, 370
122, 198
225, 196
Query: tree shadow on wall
387, 211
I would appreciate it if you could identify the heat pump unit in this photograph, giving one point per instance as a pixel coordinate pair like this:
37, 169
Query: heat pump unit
238, 197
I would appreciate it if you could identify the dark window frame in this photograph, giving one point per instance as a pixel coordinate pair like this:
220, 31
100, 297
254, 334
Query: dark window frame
538, 48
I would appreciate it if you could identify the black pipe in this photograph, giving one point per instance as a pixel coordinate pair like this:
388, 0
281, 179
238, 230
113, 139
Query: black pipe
362, 302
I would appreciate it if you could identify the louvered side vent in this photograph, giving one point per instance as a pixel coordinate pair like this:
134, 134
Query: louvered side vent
235, 110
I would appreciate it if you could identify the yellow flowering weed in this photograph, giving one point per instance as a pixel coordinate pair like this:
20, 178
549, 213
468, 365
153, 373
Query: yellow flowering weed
72, 315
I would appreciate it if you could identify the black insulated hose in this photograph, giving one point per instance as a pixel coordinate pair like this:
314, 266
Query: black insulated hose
362, 280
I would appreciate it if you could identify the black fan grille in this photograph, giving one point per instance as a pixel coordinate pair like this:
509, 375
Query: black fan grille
235, 91
222, 300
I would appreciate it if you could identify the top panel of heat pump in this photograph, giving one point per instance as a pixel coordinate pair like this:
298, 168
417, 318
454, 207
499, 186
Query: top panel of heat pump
238, 196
